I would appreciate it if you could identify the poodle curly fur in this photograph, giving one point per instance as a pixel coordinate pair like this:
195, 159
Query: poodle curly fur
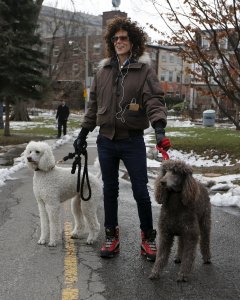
53, 185
185, 213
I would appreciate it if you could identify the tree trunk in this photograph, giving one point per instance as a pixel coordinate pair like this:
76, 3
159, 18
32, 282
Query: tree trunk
19, 112
7, 120
237, 117
39, 6
1, 115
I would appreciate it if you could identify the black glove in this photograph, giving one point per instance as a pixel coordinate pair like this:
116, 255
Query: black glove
161, 140
80, 143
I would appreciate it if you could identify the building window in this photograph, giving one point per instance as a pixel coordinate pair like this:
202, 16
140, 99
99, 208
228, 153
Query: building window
170, 76
75, 70
163, 76
97, 48
178, 77
45, 48
205, 42
171, 58
223, 43
163, 58
75, 51
153, 56
49, 27
55, 67
56, 51
169, 94
75, 67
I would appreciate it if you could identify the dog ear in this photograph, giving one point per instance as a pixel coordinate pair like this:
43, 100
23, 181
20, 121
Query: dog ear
160, 191
47, 160
190, 190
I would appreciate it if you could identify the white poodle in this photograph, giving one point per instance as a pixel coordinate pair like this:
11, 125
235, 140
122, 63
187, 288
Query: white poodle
52, 185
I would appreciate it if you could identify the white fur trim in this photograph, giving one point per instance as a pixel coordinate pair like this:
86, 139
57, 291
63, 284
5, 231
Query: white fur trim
103, 63
145, 59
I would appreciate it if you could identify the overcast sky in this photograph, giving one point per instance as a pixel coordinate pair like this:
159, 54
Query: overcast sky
141, 11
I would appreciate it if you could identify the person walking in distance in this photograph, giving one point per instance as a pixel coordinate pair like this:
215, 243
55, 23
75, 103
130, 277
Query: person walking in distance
62, 118
124, 97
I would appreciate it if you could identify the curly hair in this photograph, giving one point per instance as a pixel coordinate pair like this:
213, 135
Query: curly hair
136, 36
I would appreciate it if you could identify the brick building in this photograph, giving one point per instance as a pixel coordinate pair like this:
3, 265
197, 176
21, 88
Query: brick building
72, 43
171, 71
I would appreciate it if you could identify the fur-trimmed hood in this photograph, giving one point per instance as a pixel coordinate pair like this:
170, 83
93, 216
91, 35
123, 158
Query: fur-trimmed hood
144, 59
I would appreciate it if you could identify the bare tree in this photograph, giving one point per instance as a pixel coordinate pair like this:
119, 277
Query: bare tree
68, 31
210, 35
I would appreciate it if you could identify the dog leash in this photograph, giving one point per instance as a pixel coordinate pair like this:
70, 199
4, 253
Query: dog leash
77, 164
163, 152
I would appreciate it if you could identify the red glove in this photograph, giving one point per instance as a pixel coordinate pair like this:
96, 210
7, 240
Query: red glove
165, 144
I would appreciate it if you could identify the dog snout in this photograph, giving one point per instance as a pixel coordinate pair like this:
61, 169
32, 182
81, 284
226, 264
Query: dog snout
29, 159
163, 181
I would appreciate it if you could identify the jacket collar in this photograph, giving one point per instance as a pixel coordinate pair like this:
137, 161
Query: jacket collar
136, 64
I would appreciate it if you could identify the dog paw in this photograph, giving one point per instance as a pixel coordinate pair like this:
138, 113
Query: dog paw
154, 275
41, 242
92, 237
52, 244
207, 261
90, 240
177, 260
182, 278
76, 235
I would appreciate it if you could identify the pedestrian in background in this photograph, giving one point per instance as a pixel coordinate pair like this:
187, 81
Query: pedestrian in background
124, 97
62, 118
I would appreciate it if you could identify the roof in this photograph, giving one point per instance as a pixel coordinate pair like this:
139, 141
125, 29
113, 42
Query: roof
69, 15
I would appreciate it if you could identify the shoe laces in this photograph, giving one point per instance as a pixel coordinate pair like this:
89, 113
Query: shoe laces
109, 241
152, 244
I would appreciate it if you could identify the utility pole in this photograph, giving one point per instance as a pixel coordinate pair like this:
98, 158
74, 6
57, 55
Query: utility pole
86, 73
1, 115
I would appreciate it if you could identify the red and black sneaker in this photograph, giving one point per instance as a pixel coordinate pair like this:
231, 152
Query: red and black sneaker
148, 245
111, 245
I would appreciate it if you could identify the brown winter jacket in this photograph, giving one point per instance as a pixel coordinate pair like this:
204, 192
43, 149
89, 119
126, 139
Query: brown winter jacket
123, 103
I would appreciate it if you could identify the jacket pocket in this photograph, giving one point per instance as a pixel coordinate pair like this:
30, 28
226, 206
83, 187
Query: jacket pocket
136, 119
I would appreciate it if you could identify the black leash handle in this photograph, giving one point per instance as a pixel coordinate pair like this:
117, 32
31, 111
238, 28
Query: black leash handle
77, 164
85, 175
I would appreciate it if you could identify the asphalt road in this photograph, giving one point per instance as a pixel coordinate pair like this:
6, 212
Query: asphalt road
32, 272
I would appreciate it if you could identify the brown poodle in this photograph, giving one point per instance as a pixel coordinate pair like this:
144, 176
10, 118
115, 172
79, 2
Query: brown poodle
185, 213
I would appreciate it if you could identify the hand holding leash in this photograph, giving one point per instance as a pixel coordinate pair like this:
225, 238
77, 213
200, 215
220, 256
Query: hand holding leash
163, 152
80, 143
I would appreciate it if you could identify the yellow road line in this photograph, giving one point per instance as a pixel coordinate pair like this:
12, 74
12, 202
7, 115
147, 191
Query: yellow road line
70, 292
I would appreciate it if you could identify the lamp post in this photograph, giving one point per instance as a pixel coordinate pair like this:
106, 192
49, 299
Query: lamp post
86, 73
85, 93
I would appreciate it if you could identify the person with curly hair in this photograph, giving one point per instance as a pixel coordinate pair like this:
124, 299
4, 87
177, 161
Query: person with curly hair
125, 96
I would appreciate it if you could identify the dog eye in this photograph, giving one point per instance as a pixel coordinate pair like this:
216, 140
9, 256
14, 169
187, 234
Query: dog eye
37, 151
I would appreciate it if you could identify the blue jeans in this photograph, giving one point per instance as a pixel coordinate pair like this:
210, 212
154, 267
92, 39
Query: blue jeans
132, 152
